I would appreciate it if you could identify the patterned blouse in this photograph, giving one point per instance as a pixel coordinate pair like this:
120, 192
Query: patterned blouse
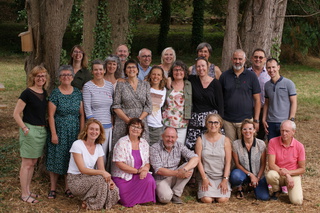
123, 153
173, 113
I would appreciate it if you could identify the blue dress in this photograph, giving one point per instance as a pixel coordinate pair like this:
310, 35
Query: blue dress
67, 122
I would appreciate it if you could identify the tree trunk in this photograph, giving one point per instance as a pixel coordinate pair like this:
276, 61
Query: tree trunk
197, 23
89, 22
48, 21
164, 25
119, 18
262, 26
230, 36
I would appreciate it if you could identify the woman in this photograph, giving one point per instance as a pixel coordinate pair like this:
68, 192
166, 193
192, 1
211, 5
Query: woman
113, 69
249, 155
177, 108
207, 98
168, 56
204, 49
79, 62
66, 119
97, 99
87, 177
214, 150
32, 103
157, 82
131, 169
131, 99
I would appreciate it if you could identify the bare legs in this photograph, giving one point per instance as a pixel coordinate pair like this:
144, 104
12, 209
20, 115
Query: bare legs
26, 173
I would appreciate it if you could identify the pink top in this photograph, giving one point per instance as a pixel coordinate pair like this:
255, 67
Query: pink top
286, 157
122, 152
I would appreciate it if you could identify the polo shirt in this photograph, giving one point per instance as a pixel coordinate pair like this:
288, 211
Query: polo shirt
238, 94
286, 157
142, 74
279, 99
262, 78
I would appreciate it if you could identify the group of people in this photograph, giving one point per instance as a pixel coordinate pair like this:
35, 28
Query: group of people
129, 132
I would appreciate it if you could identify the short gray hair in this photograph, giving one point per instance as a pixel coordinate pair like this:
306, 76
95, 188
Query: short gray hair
293, 124
65, 67
203, 45
114, 58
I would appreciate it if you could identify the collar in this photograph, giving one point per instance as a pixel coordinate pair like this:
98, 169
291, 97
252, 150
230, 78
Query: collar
141, 68
280, 79
293, 141
253, 144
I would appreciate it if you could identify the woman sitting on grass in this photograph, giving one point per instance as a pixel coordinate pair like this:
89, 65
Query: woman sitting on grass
94, 186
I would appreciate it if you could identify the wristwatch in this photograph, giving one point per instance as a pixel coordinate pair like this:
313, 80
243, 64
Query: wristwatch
249, 174
226, 178
291, 119
256, 121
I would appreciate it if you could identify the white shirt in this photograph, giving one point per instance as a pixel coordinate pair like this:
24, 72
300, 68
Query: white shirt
89, 160
157, 99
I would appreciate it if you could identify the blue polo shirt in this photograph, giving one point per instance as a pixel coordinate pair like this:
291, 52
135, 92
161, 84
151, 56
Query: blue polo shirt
238, 94
142, 74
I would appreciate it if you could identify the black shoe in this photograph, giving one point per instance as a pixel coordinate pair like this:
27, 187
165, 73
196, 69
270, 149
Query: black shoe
275, 195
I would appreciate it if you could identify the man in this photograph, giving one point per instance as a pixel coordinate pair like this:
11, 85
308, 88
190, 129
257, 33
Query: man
122, 52
241, 94
145, 58
258, 61
165, 157
280, 100
286, 159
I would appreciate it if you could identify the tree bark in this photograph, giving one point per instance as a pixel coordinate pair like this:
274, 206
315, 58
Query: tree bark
262, 26
90, 10
164, 25
48, 21
230, 36
197, 23
119, 18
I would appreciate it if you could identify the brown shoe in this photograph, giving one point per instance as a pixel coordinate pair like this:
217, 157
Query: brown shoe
177, 200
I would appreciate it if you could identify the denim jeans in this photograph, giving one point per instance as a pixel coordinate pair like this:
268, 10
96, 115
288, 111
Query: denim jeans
238, 178
274, 130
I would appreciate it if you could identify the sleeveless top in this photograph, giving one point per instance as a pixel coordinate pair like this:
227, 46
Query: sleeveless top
213, 157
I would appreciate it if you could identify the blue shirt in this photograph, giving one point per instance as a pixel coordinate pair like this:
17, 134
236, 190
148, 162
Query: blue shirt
142, 74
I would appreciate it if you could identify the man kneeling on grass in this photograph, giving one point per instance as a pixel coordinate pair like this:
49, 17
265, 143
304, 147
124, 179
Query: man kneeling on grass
287, 163
165, 157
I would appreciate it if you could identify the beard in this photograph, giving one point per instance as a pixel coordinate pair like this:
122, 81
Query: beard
237, 67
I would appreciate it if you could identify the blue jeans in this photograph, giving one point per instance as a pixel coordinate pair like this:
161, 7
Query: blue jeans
274, 130
238, 178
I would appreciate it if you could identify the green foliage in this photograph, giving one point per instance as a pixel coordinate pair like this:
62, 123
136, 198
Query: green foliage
217, 7
275, 48
102, 31
303, 33
144, 10
198, 23
76, 19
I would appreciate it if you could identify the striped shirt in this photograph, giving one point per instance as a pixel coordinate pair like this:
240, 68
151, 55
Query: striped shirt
161, 158
97, 102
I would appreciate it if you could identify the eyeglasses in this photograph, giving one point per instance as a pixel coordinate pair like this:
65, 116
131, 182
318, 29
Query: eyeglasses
136, 127
214, 123
66, 75
77, 52
41, 76
146, 56
131, 67
177, 70
258, 57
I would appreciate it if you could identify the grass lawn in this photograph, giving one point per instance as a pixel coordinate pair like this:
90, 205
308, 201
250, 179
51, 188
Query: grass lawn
307, 82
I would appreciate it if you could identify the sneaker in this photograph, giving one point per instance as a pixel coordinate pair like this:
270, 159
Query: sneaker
284, 190
269, 186
275, 195
177, 200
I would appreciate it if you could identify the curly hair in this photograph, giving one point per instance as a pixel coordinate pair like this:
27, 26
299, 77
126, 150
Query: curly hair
34, 72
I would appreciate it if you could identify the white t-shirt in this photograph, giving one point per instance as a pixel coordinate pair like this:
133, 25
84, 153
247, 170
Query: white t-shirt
157, 100
89, 160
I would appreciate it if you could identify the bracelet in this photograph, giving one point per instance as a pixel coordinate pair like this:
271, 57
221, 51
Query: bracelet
24, 127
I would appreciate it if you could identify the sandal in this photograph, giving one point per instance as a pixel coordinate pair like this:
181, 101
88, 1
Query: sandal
68, 193
29, 199
34, 195
240, 194
52, 194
